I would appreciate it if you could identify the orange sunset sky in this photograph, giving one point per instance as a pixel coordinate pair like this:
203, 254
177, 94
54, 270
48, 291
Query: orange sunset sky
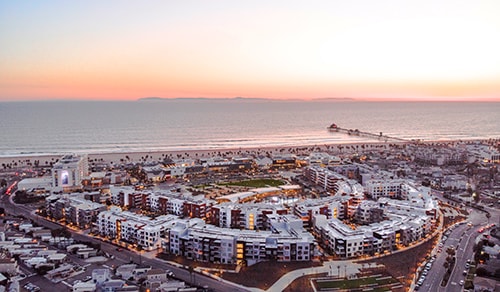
385, 49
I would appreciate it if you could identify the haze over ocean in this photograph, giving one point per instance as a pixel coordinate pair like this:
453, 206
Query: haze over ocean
53, 127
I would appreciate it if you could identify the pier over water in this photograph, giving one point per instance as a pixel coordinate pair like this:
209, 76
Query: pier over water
356, 132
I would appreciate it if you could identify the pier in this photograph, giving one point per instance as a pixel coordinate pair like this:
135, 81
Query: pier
356, 132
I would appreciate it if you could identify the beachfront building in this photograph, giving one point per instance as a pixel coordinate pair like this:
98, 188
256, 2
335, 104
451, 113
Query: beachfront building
439, 156
323, 159
284, 162
222, 164
483, 153
68, 173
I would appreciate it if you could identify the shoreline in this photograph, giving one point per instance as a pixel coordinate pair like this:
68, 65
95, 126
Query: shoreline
158, 155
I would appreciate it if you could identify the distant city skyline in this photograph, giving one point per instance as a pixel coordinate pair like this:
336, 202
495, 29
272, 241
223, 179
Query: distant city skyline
126, 50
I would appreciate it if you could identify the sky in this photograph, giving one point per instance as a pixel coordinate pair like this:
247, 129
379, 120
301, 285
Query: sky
365, 49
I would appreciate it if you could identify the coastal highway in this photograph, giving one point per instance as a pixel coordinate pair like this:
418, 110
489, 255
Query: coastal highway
126, 256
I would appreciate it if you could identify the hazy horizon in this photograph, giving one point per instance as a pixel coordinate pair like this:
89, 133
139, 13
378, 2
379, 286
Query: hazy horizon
238, 98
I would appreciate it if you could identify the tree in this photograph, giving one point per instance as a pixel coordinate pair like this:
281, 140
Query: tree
482, 272
60, 232
191, 273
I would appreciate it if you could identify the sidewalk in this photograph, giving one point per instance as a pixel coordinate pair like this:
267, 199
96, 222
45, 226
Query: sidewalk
345, 268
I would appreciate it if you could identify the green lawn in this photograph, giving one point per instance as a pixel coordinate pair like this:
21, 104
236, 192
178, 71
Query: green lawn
256, 183
355, 283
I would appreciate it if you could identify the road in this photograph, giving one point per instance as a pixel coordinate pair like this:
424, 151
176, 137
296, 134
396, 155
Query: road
462, 238
126, 256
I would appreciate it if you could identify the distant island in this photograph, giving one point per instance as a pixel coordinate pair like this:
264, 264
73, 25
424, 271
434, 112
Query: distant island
242, 99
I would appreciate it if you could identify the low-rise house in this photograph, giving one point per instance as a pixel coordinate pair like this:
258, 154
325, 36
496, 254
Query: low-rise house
56, 258
85, 253
35, 261
43, 234
63, 271
155, 277
125, 271
9, 266
172, 286
140, 272
112, 285
84, 287
100, 276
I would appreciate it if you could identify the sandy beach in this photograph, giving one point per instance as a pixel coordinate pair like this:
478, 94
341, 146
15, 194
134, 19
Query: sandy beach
119, 157
150, 156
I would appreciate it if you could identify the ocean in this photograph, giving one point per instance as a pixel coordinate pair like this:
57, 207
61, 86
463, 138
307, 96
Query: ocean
57, 127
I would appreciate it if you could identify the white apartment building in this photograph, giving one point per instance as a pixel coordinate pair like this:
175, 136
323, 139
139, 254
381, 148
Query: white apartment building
175, 206
132, 228
393, 188
198, 241
331, 207
323, 178
484, 153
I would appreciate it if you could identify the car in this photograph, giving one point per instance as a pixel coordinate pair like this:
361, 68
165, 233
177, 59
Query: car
468, 261
119, 249
467, 266
464, 272
31, 287
461, 282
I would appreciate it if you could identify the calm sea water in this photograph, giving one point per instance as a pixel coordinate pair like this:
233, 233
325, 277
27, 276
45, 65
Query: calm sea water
92, 127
